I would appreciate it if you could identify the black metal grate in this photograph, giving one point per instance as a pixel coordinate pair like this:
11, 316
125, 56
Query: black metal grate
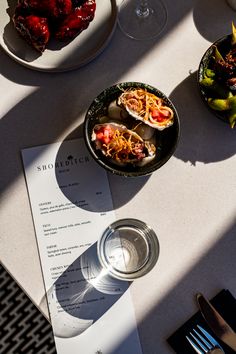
23, 329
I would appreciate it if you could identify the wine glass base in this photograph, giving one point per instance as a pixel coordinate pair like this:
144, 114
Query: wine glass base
142, 26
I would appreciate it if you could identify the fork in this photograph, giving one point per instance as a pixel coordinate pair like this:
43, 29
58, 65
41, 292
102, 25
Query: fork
203, 342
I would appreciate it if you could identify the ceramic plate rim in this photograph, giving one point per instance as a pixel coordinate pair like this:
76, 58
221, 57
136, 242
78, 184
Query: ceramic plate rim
58, 67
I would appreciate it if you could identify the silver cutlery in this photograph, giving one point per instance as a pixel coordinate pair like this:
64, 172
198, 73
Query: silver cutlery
202, 342
216, 322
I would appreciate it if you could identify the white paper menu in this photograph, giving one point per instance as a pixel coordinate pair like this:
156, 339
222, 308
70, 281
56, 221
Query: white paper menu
71, 204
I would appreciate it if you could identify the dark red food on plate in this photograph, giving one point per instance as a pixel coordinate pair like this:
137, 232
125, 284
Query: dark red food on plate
77, 21
49, 8
39, 20
32, 28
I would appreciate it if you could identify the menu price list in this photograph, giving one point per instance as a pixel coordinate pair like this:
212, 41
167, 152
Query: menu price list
71, 207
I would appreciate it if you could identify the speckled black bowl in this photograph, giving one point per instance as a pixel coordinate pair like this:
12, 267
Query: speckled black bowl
223, 44
166, 140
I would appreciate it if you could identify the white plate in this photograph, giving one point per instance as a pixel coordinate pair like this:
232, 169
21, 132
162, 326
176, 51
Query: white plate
59, 57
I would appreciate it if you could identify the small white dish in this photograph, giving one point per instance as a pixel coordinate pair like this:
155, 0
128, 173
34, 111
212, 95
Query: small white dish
58, 56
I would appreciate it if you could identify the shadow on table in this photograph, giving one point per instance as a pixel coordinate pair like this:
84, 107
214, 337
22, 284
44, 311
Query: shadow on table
209, 274
213, 18
124, 188
204, 138
59, 101
214, 271
82, 294
114, 60
82, 49
66, 96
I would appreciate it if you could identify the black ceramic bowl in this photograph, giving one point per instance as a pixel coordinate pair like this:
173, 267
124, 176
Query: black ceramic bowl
166, 140
223, 45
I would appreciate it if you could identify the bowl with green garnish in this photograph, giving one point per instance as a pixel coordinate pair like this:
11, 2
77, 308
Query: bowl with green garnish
217, 78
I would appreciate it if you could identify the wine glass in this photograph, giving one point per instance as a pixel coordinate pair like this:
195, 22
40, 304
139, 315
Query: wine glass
142, 19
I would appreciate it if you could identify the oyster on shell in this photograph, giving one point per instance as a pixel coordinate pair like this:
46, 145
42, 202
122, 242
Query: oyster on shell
147, 107
116, 112
145, 131
122, 145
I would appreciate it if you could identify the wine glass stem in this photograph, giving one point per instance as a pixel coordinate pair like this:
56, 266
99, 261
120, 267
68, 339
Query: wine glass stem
142, 9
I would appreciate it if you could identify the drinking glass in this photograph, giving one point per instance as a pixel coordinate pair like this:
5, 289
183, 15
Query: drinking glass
142, 19
128, 249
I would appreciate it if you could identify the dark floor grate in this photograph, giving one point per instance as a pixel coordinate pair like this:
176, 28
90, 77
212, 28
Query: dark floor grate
23, 329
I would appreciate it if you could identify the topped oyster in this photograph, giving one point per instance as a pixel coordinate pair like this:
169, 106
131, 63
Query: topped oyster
122, 145
147, 107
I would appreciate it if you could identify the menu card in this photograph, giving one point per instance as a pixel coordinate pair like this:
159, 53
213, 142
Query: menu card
91, 312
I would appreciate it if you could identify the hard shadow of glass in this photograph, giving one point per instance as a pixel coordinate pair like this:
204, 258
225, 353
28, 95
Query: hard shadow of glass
122, 189
204, 137
213, 18
82, 294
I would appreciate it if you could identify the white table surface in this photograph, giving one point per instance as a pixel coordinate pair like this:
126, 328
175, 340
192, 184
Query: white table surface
190, 202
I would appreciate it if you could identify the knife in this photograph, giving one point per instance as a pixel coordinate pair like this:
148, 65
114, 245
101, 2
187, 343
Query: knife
216, 322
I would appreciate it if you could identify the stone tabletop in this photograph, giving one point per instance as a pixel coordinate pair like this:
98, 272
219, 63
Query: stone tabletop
190, 202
